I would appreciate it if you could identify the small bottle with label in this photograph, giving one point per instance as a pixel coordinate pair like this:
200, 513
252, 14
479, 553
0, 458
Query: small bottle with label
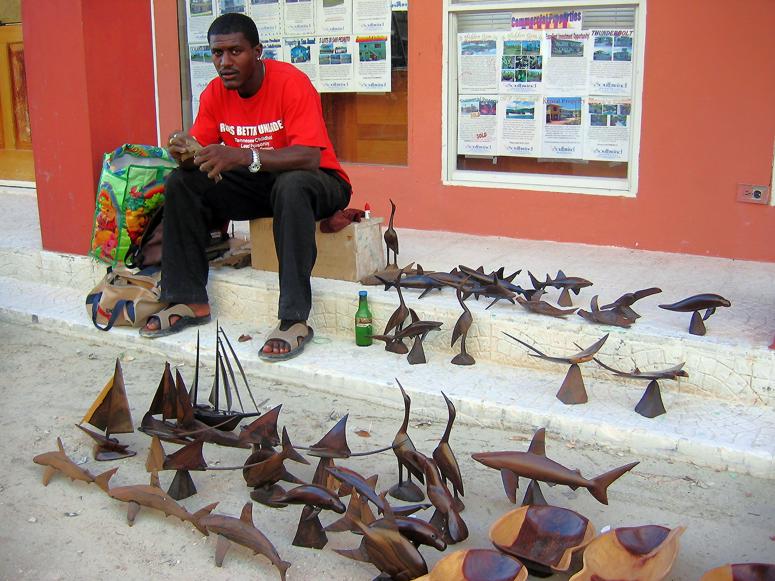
363, 321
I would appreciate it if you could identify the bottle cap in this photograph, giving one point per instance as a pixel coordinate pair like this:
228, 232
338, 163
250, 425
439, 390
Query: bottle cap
362, 293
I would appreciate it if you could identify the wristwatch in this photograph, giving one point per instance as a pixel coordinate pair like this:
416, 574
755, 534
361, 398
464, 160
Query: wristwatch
256, 165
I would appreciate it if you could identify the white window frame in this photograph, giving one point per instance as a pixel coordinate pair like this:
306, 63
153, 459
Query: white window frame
623, 187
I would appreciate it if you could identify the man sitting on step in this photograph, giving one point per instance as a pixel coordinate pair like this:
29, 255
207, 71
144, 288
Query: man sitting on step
258, 148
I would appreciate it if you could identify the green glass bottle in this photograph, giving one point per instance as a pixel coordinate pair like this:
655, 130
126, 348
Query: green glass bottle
363, 321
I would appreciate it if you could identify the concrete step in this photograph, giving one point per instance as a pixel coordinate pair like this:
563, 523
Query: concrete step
710, 431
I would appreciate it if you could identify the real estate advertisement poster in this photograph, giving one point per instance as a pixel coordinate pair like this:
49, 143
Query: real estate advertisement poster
519, 125
562, 129
334, 16
268, 16
371, 16
232, 6
372, 63
202, 72
521, 62
477, 124
565, 62
478, 62
299, 17
335, 59
607, 122
610, 62
200, 14
303, 53
273, 49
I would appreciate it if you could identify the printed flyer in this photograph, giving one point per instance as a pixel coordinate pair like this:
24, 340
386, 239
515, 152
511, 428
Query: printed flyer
229, 6
303, 53
371, 16
565, 65
478, 61
521, 62
335, 57
202, 72
562, 130
299, 16
372, 67
519, 125
399, 5
334, 16
201, 14
477, 125
273, 49
608, 129
610, 62
268, 16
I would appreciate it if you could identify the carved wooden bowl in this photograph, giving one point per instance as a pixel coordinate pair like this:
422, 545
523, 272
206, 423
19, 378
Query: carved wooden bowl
741, 572
644, 553
544, 538
476, 565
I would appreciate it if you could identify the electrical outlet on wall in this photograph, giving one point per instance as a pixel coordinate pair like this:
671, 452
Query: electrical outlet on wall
753, 194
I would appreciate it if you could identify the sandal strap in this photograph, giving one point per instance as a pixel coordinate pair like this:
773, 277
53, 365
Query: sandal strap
290, 335
178, 310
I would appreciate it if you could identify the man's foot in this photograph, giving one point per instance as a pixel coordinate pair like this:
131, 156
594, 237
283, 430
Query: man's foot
174, 318
286, 341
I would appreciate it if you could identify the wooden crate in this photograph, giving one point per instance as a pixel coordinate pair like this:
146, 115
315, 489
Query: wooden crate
352, 253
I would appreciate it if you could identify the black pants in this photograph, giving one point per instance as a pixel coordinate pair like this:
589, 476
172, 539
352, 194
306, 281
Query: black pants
296, 199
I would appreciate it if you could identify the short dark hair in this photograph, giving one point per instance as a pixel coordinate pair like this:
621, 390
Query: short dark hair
232, 23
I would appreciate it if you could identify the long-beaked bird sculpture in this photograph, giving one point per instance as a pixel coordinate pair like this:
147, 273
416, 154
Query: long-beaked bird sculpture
650, 404
388, 550
242, 531
462, 326
445, 457
391, 239
534, 465
564, 282
572, 390
708, 302
535, 305
110, 413
446, 518
145, 495
59, 461
406, 490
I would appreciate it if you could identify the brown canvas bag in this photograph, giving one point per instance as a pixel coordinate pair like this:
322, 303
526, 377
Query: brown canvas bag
125, 298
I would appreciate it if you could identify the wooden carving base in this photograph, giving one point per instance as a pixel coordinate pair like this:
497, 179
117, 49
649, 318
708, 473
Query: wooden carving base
533, 494
407, 491
572, 391
106, 454
697, 326
650, 405
397, 347
310, 533
565, 300
417, 354
182, 485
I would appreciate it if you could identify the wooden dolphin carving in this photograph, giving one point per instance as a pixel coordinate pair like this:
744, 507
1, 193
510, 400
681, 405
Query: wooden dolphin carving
265, 475
58, 461
572, 390
535, 465
445, 458
446, 518
694, 304
310, 532
365, 486
536, 305
140, 495
388, 550
243, 532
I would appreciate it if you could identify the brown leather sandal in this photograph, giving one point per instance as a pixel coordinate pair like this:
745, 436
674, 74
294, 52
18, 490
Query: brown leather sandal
297, 336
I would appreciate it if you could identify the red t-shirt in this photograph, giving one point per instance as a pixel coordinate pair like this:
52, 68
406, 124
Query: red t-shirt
285, 111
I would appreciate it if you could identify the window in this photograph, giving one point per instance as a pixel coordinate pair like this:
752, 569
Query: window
555, 107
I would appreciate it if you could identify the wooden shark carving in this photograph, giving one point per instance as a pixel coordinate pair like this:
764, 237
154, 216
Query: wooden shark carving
650, 405
110, 413
535, 465
139, 495
694, 304
402, 446
265, 475
572, 390
564, 282
388, 550
445, 458
536, 305
243, 532
59, 461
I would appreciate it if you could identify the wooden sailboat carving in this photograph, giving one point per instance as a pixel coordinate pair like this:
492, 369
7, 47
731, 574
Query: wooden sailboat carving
110, 413
213, 415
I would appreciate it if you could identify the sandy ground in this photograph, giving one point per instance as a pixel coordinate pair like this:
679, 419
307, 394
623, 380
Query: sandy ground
72, 530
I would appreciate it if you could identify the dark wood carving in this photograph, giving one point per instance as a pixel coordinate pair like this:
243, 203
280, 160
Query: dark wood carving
406, 490
708, 302
477, 565
58, 461
391, 239
445, 458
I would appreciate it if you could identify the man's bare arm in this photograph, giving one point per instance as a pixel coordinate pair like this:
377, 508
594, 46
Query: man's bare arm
215, 159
